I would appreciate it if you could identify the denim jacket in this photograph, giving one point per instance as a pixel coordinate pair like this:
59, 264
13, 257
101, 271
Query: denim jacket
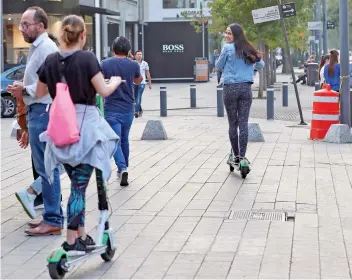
234, 68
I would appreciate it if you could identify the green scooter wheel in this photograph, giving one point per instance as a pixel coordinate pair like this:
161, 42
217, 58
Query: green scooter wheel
55, 269
109, 253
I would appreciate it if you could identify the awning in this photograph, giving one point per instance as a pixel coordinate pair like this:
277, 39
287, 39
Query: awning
89, 10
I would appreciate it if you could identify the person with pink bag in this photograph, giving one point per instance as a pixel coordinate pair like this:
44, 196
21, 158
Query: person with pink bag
78, 136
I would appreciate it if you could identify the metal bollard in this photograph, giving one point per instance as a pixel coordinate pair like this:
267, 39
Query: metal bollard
285, 94
163, 102
193, 95
220, 101
317, 86
270, 103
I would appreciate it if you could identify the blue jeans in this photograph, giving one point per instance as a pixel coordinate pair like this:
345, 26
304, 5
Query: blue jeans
121, 123
138, 91
37, 121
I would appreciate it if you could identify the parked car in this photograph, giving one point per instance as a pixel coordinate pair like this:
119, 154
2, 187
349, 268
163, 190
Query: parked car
3, 106
7, 78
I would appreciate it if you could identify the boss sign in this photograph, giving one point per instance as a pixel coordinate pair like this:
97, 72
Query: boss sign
173, 48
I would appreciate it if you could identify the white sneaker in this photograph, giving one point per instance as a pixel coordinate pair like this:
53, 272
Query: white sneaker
27, 201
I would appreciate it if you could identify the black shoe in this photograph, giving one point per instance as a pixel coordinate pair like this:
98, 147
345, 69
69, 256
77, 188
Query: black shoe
237, 160
89, 242
136, 115
124, 179
78, 246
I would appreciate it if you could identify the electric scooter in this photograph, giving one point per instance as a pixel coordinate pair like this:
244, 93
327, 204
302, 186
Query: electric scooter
60, 262
242, 165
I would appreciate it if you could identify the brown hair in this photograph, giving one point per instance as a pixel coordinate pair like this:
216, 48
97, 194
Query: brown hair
334, 59
323, 60
39, 16
72, 27
244, 48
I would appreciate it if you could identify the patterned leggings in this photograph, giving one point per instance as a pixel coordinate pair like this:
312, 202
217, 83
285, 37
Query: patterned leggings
76, 207
238, 101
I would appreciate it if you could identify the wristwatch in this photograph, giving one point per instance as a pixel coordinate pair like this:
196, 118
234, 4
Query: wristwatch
24, 92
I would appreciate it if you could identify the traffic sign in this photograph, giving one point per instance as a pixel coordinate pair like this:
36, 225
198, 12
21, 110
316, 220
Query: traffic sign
288, 10
331, 24
266, 14
315, 25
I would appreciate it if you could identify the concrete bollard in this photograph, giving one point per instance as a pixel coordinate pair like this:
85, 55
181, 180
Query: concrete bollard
163, 102
193, 96
270, 103
220, 101
317, 86
285, 94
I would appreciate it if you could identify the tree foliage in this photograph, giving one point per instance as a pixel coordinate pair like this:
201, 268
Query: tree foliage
225, 12
333, 15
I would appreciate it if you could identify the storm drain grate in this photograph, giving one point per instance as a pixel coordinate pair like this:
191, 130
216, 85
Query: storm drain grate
254, 215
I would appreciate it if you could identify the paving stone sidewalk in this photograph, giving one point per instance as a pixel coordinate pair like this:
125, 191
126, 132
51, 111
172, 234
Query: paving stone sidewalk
178, 97
177, 219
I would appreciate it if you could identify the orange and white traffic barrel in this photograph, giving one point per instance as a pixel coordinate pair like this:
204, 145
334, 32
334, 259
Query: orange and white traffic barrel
326, 112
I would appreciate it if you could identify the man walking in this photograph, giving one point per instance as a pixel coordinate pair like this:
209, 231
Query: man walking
119, 106
139, 89
34, 23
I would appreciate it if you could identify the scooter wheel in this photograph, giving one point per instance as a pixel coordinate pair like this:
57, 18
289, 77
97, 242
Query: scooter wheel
109, 253
232, 168
244, 172
55, 269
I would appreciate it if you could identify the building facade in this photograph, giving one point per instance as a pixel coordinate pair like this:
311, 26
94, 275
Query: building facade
104, 22
171, 44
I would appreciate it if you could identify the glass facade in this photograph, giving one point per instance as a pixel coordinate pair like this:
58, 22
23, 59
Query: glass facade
185, 4
180, 4
16, 49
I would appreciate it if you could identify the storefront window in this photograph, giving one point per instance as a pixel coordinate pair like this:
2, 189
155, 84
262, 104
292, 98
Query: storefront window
89, 33
179, 4
16, 49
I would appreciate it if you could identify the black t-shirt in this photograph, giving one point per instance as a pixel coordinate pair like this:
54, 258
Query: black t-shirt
78, 68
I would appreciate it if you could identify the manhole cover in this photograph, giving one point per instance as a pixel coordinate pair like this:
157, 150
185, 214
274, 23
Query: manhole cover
254, 215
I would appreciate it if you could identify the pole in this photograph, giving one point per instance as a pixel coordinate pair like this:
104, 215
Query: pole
270, 104
325, 28
203, 39
319, 31
344, 64
163, 102
193, 96
220, 101
285, 94
283, 24
317, 86
203, 35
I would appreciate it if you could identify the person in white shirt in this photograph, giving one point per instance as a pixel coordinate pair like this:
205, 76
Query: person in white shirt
324, 61
139, 89
33, 26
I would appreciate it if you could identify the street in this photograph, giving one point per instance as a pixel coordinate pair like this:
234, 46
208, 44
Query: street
185, 215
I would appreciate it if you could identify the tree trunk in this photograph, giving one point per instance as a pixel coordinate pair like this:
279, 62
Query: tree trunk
267, 66
286, 63
261, 76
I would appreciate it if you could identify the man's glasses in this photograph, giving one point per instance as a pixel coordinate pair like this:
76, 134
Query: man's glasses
25, 26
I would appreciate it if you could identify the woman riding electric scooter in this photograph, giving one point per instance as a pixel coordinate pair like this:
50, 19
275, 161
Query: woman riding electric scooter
237, 61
